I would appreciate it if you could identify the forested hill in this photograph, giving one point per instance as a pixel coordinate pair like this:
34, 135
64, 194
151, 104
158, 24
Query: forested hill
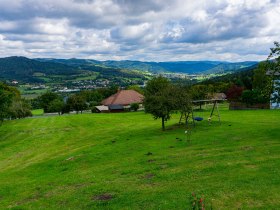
243, 77
189, 67
32, 70
21, 68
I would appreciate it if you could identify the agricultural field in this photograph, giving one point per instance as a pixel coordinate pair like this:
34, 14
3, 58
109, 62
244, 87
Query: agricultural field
125, 161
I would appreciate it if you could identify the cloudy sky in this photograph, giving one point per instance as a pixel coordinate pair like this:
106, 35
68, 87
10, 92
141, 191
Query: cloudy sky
147, 30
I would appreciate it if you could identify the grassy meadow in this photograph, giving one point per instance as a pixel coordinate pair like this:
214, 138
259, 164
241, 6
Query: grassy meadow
125, 161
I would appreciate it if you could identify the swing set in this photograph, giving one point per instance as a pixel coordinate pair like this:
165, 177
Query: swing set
188, 117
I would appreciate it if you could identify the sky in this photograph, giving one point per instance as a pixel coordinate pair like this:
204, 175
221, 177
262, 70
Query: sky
145, 30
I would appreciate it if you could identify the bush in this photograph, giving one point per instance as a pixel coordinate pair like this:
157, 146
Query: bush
234, 93
134, 107
253, 97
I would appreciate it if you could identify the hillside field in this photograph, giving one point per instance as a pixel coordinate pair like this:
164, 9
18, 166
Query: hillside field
125, 161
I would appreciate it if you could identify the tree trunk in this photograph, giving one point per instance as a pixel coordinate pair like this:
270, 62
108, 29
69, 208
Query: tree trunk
162, 124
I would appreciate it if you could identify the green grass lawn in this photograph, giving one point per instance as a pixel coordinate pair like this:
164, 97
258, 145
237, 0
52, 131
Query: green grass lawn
125, 161
37, 112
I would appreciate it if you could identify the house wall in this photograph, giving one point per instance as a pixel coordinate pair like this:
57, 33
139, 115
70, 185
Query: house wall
274, 105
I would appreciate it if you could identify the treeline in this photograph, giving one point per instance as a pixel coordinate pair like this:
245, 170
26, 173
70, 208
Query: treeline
12, 106
23, 69
252, 86
52, 102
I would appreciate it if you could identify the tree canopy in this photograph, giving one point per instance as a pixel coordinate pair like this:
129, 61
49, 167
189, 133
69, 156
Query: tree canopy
163, 98
11, 104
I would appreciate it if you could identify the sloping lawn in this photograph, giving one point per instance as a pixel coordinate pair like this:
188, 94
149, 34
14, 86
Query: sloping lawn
125, 161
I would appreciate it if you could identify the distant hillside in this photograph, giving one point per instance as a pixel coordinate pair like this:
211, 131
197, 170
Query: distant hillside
231, 67
189, 67
243, 77
39, 70
21, 68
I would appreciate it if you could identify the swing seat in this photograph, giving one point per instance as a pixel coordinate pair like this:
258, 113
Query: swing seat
198, 118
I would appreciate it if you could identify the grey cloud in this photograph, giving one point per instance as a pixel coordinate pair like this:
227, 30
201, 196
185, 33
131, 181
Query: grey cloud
121, 29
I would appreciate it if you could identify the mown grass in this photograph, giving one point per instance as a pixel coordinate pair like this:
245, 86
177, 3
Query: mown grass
37, 112
125, 161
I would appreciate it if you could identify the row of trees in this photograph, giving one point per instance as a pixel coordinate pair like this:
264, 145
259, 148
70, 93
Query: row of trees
53, 102
11, 104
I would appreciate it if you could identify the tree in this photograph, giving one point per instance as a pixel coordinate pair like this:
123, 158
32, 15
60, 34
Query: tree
199, 92
46, 99
92, 96
136, 88
182, 98
11, 105
19, 108
134, 106
274, 55
77, 102
262, 83
234, 93
7, 94
56, 105
158, 99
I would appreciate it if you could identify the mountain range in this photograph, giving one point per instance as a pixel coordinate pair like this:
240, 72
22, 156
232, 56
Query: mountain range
188, 67
27, 70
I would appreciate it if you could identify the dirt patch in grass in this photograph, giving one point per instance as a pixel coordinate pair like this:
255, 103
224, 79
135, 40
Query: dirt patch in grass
149, 176
27, 200
252, 166
67, 129
247, 148
103, 197
163, 166
151, 161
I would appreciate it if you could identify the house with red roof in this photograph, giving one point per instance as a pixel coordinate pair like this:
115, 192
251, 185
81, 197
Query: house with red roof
122, 100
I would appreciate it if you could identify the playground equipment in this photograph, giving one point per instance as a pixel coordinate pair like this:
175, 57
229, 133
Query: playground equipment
188, 116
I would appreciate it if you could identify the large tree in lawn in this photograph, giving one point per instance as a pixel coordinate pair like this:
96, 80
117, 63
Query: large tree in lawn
159, 100
7, 94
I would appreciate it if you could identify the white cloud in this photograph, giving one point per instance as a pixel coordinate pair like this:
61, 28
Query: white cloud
147, 30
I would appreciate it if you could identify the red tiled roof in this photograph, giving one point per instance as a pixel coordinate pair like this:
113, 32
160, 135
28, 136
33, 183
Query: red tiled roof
124, 97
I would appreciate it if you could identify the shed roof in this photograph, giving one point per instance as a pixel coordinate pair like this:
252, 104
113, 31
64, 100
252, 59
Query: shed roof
124, 97
102, 108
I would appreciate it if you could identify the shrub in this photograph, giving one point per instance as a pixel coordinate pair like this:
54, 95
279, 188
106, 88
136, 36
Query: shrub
234, 93
253, 97
134, 106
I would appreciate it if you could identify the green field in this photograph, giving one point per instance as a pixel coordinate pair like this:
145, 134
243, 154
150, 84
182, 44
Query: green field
37, 112
125, 161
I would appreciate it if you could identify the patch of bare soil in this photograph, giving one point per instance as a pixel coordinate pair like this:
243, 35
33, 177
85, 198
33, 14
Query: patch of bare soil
247, 148
149, 176
103, 197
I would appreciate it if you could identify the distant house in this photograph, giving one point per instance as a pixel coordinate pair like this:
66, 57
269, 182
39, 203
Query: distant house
276, 84
217, 96
122, 100
275, 104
